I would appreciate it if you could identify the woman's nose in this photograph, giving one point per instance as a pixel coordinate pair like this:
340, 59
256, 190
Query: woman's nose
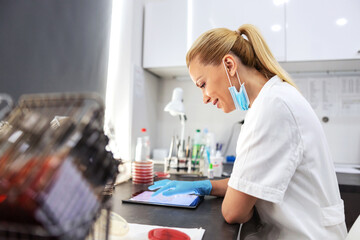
206, 98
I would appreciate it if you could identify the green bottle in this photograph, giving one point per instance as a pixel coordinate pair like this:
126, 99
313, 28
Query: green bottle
196, 144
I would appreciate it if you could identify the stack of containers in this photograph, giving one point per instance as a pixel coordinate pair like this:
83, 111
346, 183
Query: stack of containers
143, 172
143, 167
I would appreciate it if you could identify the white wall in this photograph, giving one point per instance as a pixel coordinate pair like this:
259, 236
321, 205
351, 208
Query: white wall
119, 82
199, 115
342, 131
147, 96
131, 91
145, 85
330, 95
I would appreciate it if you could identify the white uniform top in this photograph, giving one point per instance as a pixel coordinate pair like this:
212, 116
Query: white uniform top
283, 160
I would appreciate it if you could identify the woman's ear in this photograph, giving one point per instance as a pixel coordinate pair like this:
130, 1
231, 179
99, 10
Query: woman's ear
230, 64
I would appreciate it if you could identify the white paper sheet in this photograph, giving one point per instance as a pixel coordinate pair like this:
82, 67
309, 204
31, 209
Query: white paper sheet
331, 95
140, 232
350, 95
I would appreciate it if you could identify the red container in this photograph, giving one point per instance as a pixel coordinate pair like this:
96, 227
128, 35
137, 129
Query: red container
143, 172
167, 234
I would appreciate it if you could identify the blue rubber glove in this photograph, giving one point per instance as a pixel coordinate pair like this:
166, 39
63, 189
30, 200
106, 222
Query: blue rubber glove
168, 187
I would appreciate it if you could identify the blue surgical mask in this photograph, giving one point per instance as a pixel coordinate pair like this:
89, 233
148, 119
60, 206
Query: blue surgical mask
240, 98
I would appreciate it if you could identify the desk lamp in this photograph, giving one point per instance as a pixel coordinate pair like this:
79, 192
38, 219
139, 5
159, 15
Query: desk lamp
176, 108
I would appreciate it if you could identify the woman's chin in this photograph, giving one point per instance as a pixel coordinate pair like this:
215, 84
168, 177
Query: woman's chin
227, 110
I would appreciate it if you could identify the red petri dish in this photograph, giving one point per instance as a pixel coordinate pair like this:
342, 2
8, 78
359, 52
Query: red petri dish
142, 170
167, 234
143, 183
142, 176
162, 175
144, 163
142, 173
2, 198
143, 179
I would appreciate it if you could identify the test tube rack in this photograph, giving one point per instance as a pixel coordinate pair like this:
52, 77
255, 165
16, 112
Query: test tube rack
184, 166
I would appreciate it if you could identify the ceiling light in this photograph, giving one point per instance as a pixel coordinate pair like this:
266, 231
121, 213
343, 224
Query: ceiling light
275, 28
279, 2
341, 21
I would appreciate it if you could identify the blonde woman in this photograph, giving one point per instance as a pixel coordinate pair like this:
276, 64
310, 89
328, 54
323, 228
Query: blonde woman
283, 166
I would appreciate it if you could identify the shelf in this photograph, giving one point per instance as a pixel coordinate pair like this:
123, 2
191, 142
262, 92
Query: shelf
181, 72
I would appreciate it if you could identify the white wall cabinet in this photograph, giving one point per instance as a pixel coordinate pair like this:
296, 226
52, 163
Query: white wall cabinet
231, 14
171, 26
313, 32
298, 32
165, 34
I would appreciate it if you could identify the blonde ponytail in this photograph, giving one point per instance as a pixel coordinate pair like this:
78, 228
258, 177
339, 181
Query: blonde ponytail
265, 62
253, 51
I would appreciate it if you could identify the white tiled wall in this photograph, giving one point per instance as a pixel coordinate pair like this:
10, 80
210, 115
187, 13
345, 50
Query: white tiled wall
199, 115
342, 131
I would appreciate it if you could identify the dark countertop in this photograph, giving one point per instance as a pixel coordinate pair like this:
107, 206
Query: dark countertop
349, 182
207, 215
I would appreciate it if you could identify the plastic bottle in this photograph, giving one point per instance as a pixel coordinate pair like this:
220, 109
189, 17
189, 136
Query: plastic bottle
197, 141
217, 165
209, 141
210, 171
142, 151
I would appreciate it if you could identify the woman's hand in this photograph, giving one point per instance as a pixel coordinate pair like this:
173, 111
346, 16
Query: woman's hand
168, 187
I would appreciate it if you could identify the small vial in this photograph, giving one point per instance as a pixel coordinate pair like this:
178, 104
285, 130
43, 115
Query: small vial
210, 171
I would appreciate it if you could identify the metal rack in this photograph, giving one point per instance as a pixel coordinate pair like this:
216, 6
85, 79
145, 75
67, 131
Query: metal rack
55, 174
185, 165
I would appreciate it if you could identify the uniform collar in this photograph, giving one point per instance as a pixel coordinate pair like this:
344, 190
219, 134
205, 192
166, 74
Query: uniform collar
270, 83
275, 79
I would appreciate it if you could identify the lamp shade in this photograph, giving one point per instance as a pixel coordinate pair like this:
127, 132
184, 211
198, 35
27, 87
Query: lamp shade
176, 106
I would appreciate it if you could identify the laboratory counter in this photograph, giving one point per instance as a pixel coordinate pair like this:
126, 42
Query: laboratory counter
207, 215
349, 182
349, 185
